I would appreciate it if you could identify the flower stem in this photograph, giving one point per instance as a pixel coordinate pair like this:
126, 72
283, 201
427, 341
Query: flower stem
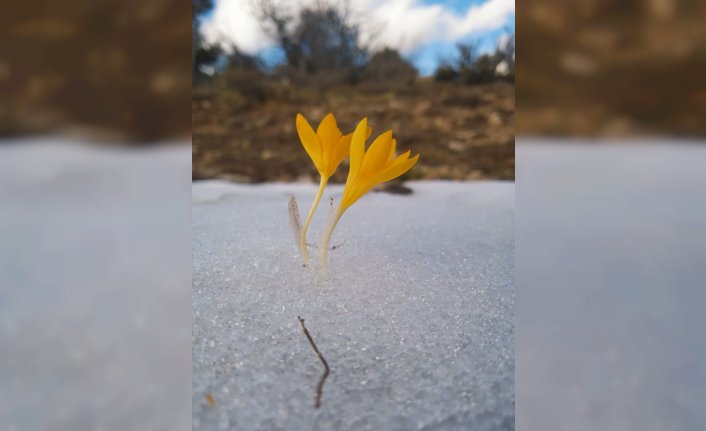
302, 239
327, 240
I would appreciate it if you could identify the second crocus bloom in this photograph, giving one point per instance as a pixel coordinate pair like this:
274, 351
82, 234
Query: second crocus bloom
367, 169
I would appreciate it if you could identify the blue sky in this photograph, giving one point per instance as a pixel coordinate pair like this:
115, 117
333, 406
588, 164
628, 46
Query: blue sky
458, 6
430, 29
427, 56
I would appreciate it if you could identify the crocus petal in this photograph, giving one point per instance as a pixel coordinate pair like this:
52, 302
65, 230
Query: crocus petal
342, 151
357, 150
394, 171
401, 158
387, 173
356, 190
328, 135
327, 127
393, 144
309, 140
352, 193
377, 154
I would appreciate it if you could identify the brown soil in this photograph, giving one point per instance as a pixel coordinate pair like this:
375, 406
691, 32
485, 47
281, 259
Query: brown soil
461, 132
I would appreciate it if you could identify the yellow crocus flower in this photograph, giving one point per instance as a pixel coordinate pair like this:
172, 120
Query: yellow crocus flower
327, 148
367, 169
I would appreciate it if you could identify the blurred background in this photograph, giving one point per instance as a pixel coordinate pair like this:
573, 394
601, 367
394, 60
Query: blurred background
440, 74
603, 68
610, 235
95, 215
101, 69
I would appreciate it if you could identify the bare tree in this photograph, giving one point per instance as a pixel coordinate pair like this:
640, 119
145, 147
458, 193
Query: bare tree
467, 55
317, 41
200, 55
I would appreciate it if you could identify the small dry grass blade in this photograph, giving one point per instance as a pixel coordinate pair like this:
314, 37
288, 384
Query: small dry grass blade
295, 222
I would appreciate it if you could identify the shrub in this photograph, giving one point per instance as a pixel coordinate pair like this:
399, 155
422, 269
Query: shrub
445, 73
481, 71
388, 66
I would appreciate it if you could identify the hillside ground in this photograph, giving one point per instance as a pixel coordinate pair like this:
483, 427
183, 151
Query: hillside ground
246, 133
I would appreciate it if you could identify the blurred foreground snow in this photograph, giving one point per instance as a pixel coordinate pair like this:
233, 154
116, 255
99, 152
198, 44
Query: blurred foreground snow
416, 320
95, 266
611, 263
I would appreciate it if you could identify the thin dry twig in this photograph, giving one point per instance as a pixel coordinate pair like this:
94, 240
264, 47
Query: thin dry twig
320, 386
338, 246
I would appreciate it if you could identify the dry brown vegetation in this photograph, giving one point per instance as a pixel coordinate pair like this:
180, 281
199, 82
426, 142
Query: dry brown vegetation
606, 68
120, 67
462, 132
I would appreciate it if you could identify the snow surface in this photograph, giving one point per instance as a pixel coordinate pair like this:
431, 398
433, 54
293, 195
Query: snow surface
416, 319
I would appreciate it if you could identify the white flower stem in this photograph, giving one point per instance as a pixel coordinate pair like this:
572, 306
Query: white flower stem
302, 239
327, 240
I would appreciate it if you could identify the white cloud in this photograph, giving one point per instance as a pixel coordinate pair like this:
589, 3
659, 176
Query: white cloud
402, 24
504, 40
233, 22
486, 16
